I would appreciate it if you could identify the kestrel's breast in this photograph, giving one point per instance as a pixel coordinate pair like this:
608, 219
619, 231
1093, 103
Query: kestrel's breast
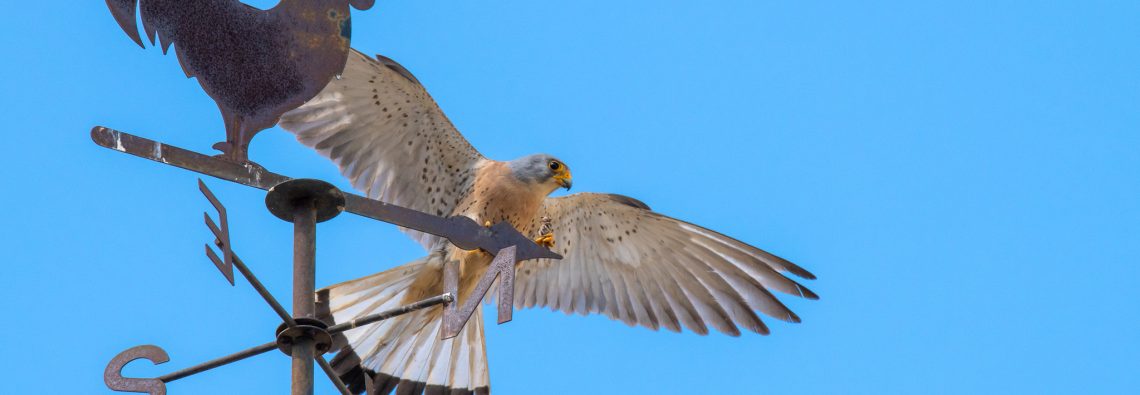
498, 196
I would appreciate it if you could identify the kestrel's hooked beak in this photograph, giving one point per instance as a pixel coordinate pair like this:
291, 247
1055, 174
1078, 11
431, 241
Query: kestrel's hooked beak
563, 179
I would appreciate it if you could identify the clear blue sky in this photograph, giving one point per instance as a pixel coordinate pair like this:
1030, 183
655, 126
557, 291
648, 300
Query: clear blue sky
961, 175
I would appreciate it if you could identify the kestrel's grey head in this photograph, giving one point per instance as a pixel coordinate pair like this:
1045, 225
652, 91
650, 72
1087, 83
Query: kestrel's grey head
541, 169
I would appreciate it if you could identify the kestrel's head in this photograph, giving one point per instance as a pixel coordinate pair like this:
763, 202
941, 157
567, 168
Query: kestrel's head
542, 169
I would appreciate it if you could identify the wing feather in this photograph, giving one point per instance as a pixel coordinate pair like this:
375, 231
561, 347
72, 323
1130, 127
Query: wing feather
660, 304
749, 289
625, 261
389, 138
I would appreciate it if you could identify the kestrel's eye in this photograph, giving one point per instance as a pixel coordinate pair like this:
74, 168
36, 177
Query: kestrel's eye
555, 166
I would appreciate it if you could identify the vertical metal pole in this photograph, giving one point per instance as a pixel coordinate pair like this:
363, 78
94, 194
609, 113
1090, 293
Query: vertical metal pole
451, 324
304, 203
304, 302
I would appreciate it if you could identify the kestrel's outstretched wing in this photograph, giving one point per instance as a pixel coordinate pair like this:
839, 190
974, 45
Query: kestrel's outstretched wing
644, 268
388, 136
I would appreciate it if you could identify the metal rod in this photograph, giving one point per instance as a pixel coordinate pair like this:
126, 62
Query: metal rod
303, 366
240, 355
450, 284
332, 375
304, 290
304, 261
277, 308
383, 315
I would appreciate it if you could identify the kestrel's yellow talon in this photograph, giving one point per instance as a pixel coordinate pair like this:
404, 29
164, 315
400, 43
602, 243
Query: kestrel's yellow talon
487, 224
546, 240
547, 232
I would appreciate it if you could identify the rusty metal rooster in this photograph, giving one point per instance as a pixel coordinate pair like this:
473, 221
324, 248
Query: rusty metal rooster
256, 64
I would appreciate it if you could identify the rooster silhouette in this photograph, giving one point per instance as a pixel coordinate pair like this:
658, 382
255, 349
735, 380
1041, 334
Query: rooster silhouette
256, 64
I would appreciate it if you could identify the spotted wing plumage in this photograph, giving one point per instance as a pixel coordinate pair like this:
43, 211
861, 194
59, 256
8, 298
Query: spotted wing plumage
389, 137
625, 261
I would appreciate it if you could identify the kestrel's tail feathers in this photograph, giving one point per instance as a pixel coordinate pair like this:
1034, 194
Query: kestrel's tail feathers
404, 353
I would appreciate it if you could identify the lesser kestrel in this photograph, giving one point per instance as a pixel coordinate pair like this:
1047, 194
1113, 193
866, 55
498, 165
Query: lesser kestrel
621, 259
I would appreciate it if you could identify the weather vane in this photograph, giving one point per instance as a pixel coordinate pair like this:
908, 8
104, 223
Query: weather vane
257, 65
484, 221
